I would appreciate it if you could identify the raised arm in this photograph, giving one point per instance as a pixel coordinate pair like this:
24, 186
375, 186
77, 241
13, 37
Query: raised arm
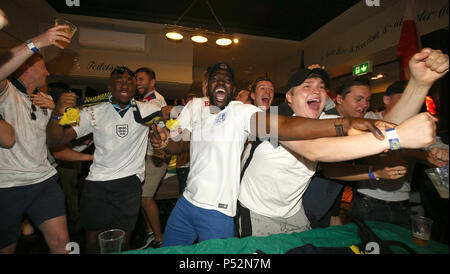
290, 128
56, 134
426, 67
11, 60
416, 132
266, 125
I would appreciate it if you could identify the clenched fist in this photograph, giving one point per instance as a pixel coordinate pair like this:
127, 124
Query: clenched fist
66, 100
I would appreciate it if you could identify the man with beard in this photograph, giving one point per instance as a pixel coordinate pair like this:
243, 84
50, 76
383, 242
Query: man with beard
217, 129
112, 191
156, 162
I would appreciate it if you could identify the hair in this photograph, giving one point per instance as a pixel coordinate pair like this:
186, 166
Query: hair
122, 70
28, 63
345, 87
253, 85
58, 86
151, 73
192, 94
312, 75
316, 75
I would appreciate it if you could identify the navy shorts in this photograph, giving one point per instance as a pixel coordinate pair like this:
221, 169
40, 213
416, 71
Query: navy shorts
41, 202
114, 203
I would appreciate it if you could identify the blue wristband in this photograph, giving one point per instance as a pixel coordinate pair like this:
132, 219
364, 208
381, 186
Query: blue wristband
394, 142
31, 46
58, 118
372, 176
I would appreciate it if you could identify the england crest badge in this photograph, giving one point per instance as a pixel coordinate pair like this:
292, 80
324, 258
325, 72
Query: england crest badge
220, 118
122, 130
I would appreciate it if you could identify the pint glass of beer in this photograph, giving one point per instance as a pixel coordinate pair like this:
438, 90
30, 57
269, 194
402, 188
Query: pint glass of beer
421, 230
71, 30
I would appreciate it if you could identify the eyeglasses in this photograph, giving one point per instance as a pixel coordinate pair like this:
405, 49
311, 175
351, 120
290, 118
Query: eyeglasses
33, 109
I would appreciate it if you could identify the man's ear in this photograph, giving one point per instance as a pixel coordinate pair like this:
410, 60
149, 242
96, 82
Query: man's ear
233, 93
205, 88
153, 84
109, 86
386, 100
289, 97
21, 70
339, 99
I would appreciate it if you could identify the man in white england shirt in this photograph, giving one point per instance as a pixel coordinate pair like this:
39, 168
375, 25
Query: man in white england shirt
111, 194
217, 129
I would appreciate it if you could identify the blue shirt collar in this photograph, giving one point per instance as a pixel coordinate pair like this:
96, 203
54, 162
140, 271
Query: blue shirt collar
21, 86
120, 110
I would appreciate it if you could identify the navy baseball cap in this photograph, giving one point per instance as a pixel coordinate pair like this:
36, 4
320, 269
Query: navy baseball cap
302, 74
221, 66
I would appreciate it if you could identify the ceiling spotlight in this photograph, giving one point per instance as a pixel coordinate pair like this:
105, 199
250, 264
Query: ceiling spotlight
235, 40
223, 41
379, 76
173, 35
199, 39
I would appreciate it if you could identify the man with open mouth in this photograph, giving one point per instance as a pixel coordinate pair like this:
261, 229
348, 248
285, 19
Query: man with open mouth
262, 92
112, 191
275, 177
353, 100
216, 129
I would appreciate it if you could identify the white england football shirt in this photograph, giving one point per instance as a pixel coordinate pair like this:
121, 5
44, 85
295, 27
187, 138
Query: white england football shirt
26, 162
120, 142
275, 180
217, 141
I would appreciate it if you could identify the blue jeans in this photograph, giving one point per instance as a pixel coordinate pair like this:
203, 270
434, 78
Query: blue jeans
188, 222
369, 210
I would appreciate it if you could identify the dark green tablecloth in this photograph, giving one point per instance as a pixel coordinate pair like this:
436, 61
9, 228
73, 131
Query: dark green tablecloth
337, 236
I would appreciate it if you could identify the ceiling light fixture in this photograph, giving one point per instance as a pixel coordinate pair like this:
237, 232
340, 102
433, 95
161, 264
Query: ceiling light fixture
199, 39
173, 35
378, 76
223, 39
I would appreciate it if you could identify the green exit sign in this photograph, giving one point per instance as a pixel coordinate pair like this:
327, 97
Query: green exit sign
363, 68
